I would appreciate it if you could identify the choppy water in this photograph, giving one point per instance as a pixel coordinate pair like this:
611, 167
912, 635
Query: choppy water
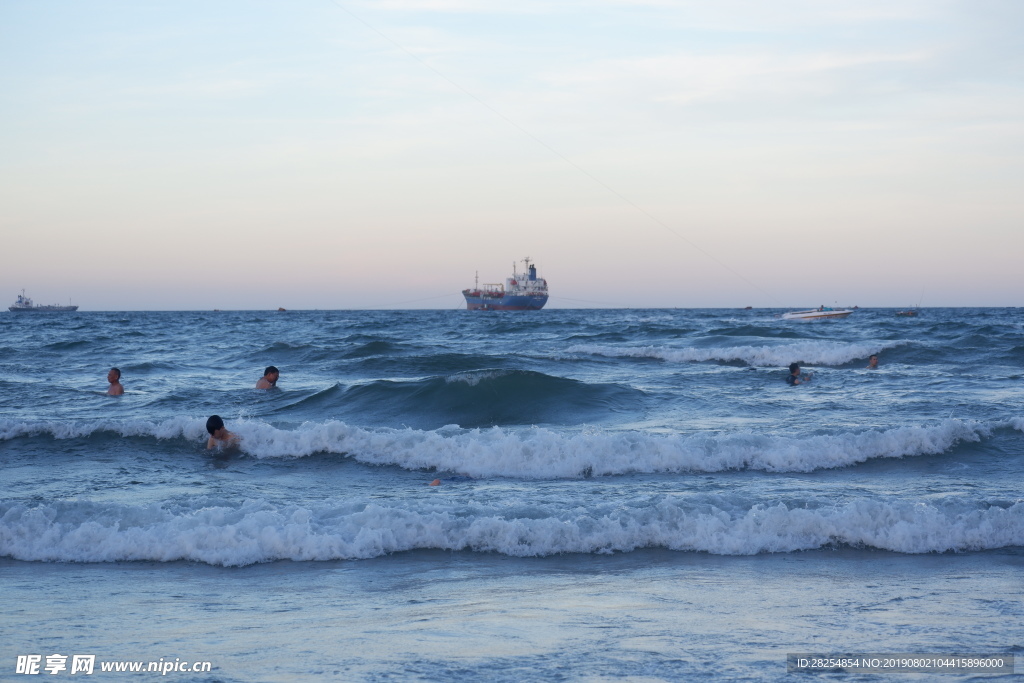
554, 433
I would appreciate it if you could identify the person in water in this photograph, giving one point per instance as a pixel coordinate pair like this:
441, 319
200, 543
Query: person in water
114, 377
873, 363
269, 378
795, 377
220, 437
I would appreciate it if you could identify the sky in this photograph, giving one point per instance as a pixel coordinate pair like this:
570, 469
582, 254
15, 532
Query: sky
323, 154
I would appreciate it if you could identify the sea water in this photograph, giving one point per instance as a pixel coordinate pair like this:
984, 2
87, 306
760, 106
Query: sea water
623, 493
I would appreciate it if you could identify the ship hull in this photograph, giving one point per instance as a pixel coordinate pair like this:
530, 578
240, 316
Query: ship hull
42, 309
505, 303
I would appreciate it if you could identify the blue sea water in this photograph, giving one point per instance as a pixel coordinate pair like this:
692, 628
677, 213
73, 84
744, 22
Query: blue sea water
624, 493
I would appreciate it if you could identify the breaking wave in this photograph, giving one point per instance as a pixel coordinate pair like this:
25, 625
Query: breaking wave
219, 533
484, 398
540, 453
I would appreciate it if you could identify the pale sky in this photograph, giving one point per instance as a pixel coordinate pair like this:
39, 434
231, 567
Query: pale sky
357, 154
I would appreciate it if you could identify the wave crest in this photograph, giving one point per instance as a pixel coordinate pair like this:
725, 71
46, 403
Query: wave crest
258, 531
487, 397
811, 352
540, 453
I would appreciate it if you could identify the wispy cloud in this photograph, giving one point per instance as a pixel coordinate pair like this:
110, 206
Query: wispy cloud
688, 78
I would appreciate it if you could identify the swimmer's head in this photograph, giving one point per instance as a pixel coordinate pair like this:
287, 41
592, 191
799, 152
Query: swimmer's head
794, 367
214, 423
271, 370
113, 375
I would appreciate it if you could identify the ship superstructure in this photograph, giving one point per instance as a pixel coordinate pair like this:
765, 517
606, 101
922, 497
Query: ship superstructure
522, 292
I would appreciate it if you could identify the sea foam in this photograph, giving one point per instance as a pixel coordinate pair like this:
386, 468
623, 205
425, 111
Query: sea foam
259, 531
173, 428
540, 453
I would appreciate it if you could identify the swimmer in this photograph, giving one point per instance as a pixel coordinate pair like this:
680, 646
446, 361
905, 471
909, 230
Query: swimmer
456, 478
873, 363
795, 377
220, 437
114, 377
269, 379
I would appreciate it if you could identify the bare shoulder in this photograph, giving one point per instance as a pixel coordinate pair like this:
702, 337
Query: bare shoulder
227, 440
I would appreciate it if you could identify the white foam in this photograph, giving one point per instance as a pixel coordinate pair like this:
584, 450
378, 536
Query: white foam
811, 352
540, 453
474, 377
257, 531
543, 454
174, 428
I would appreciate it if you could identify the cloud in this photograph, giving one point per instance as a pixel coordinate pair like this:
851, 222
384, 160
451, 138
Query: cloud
688, 78
730, 14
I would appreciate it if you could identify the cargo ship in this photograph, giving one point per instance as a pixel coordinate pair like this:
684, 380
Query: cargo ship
521, 292
24, 304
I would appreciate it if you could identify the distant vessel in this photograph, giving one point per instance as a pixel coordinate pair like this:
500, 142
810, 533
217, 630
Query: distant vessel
815, 313
521, 292
25, 304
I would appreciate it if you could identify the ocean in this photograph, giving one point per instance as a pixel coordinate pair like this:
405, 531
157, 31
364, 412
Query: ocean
623, 494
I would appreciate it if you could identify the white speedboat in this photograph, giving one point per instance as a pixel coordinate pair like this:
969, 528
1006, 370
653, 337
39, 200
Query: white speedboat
817, 313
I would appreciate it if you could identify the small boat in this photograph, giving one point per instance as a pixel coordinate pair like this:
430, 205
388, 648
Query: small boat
24, 305
909, 313
817, 313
